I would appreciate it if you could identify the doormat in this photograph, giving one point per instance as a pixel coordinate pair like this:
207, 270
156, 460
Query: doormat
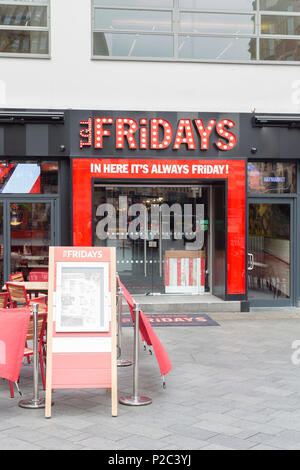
174, 319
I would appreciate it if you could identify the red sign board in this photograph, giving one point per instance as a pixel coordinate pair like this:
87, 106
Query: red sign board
81, 343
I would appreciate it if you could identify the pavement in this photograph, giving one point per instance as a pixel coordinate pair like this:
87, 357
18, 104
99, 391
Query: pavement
232, 386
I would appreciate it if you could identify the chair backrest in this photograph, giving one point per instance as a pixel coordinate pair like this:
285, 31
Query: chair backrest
42, 322
43, 307
3, 300
17, 294
16, 277
38, 276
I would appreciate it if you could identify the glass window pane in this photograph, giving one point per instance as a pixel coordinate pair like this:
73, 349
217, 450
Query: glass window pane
238, 5
30, 231
133, 45
21, 15
217, 48
134, 20
272, 178
269, 242
217, 23
284, 25
49, 178
25, 178
280, 49
280, 5
135, 3
24, 42
43, 2
174, 239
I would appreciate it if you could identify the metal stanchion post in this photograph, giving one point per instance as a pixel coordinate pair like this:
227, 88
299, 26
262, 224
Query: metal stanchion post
135, 399
35, 402
121, 362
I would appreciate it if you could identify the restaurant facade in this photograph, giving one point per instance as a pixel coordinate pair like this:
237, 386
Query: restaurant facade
195, 203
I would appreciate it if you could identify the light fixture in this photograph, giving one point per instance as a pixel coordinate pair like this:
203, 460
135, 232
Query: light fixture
16, 217
275, 120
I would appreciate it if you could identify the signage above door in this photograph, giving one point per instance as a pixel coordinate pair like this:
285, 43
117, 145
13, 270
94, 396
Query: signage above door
157, 133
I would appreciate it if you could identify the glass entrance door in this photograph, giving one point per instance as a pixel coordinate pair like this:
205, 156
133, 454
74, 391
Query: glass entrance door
31, 232
270, 245
161, 234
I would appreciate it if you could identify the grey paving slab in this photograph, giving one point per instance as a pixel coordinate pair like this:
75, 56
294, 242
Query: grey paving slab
232, 442
264, 447
231, 387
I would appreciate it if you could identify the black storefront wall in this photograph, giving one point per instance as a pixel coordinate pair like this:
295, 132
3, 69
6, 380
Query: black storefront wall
34, 140
31, 135
276, 142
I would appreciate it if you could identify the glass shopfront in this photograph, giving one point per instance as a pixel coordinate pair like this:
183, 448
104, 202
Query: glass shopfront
28, 213
270, 249
161, 232
272, 190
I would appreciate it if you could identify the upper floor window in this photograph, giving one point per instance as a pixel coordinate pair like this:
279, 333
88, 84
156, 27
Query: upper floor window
197, 30
24, 28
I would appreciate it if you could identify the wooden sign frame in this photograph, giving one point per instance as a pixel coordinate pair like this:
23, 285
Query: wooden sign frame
94, 363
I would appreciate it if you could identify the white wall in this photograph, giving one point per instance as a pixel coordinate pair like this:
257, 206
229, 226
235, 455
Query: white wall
70, 79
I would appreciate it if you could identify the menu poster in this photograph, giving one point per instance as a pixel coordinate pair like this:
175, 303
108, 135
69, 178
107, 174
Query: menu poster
82, 297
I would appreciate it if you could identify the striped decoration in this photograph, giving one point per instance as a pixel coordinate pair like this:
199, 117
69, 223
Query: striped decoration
184, 275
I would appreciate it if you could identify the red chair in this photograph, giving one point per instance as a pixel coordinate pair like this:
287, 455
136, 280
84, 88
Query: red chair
16, 277
18, 297
38, 276
3, 300
42, 323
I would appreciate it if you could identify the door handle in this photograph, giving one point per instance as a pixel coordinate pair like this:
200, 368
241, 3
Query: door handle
251, 261
160, 242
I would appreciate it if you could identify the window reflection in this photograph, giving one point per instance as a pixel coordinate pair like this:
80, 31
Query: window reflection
269, 243
280, 5
30, 238
24, 27
199, 34
283, 25
217, 23
22, 15
24, 178
280, 49
238, 5
268, 177
133, 45
133, 20
135, 3
219, 48
24, 42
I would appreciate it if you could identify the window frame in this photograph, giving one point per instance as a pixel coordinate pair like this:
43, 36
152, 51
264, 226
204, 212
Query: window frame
28, 28
176, 33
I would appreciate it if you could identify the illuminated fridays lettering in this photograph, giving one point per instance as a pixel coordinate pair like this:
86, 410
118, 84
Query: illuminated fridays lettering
157, 134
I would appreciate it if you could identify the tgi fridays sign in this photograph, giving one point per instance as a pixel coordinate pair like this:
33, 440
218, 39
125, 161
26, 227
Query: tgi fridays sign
158, 134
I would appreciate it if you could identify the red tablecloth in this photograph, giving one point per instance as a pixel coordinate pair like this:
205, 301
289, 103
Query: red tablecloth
13, 331
148, 334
